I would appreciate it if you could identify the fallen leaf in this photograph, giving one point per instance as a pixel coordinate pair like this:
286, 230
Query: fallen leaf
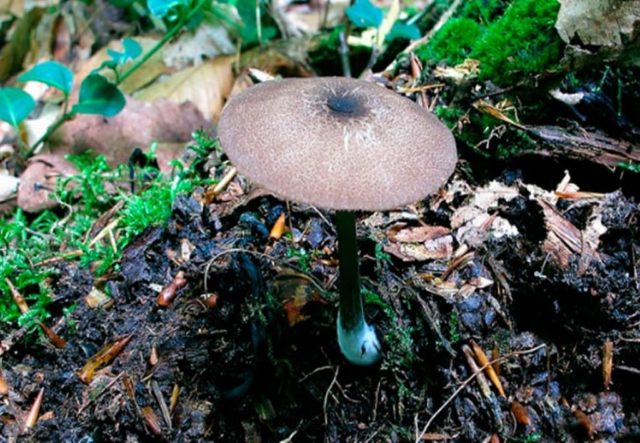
439, 248
310, 17
416, 234
97, 298
207, 86
39, 180
598, 22
208, 41
138, 125
564, 240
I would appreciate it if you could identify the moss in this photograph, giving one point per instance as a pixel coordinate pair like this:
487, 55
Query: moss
453, 43
511, 47
521, 43
484, 11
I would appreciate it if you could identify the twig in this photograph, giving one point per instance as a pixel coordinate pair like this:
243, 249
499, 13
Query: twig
326, 395
469, 380
225, 181
166, 415
315, 371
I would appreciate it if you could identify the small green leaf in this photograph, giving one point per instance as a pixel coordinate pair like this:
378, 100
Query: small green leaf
404, 30
365, 14
132, 49
162, 8
50, 73
15, 105
99, 96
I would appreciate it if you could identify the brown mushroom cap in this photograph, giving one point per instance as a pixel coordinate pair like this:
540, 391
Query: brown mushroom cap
336, 143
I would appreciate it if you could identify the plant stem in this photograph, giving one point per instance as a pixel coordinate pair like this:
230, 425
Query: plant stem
351, 310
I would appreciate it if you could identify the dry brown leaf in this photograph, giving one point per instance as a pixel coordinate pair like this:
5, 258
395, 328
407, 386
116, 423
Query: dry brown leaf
308, 17
439, 248
564, 240
419, 243
206, 85
208, 41
138, 125
599, 22
39, 180
417, 234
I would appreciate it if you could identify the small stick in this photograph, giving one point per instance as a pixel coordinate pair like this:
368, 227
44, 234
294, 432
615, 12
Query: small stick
225, 181
326, 395
155, 388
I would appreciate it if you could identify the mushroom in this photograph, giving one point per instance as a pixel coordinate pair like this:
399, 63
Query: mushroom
339, 144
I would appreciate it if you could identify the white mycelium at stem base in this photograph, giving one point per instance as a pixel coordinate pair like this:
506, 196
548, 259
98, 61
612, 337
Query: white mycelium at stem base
357, 339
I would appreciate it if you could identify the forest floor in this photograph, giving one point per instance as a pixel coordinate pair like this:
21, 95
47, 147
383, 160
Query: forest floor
508, 303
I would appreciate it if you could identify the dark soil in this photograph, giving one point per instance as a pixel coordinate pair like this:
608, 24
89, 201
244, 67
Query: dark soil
245, 374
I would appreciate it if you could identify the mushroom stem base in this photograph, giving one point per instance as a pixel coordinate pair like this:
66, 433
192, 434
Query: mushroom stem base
359, 345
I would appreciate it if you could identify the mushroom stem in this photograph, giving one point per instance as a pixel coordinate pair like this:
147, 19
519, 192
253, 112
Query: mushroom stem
357, 339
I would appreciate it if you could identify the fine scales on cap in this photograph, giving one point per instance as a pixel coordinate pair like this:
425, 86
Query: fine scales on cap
339, 144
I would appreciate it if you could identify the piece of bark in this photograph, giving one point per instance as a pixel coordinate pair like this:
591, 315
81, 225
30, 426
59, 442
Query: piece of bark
594, 147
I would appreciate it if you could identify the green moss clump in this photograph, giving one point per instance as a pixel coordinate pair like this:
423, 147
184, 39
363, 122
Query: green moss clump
522, 42
453, 43
518, 44
484, 11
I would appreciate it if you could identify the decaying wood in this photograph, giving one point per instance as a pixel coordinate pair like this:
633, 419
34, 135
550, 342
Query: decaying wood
584, 145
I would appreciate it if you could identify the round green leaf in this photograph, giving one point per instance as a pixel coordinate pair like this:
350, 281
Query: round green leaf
132, 49
15, 105
161, 8
365, 14
99, 96
50, 73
